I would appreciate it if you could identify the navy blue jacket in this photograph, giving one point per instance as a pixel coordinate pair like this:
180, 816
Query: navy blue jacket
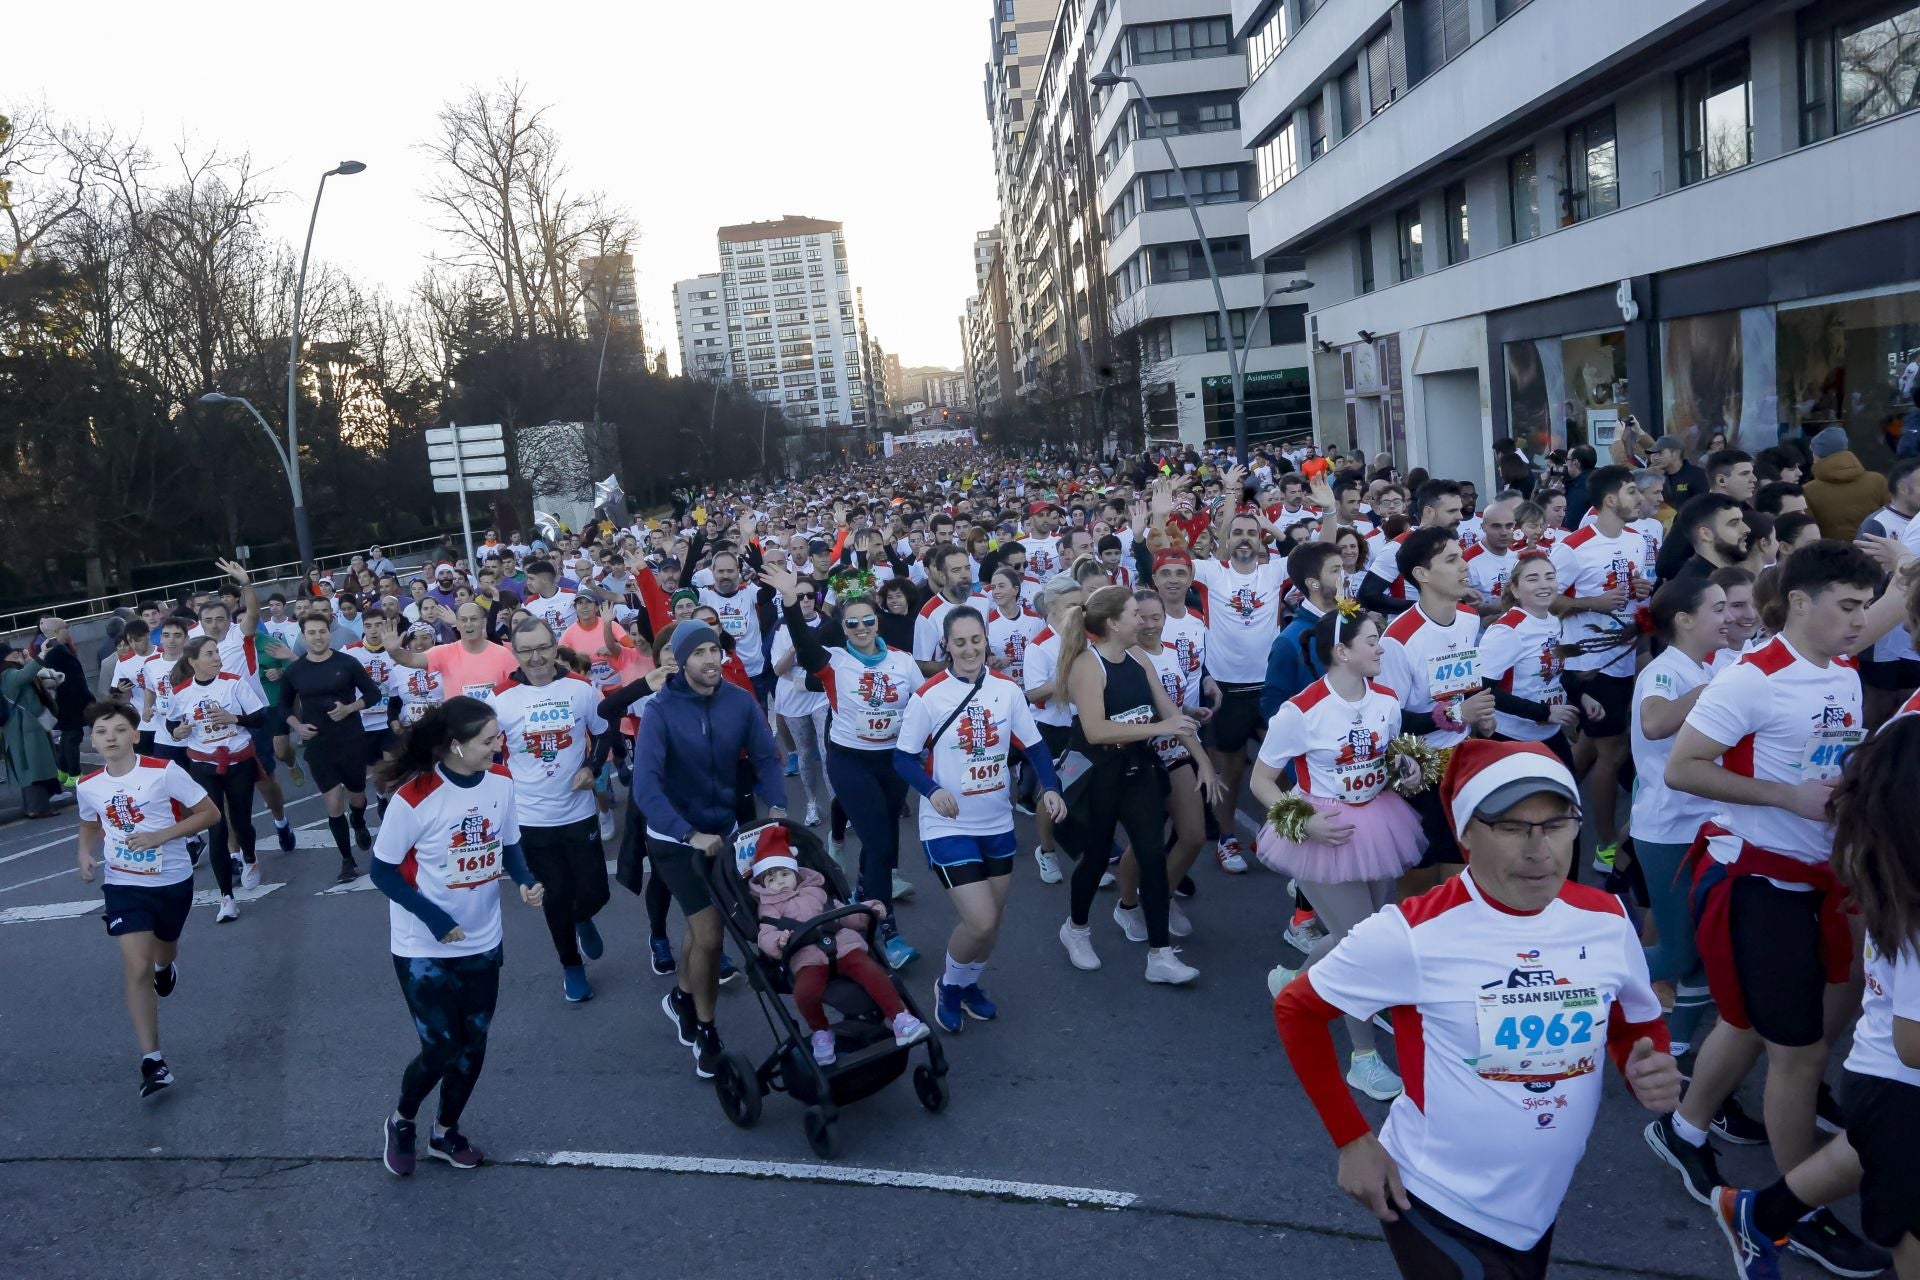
1288, 671
685, 758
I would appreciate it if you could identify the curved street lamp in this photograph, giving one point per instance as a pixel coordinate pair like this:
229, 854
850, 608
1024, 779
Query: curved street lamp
302, 531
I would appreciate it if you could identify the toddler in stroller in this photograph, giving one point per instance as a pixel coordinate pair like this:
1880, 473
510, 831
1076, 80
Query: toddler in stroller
787, 896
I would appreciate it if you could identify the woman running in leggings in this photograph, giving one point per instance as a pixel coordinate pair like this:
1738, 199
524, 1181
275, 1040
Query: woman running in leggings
212, 716
867, 683
452, 824
1361, 835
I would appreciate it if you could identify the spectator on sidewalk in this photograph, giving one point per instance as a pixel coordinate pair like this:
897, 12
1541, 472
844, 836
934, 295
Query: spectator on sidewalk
1842, 492
70, 695
28, 753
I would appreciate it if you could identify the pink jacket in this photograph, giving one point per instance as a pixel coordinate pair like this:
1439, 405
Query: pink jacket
803, 902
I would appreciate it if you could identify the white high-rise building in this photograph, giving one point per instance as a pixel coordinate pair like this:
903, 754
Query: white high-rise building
699, 314
1531, 220
792, 332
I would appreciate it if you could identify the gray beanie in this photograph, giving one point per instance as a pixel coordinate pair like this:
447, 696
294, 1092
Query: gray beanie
690, 635
1829, 442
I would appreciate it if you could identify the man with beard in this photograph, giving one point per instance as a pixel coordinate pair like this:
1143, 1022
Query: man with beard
1709, 534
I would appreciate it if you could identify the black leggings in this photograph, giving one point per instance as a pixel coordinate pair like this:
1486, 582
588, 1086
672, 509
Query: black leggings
233, 792
1428, 1245
874, 796
569, 861
451, 999
1131, 792
634, 847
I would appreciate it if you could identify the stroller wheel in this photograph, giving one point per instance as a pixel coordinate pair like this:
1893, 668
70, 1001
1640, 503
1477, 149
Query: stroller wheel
821, 1135
929, 1088
738, 1088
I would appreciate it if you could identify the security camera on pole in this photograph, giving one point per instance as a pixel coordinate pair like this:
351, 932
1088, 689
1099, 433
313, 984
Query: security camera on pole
467, 460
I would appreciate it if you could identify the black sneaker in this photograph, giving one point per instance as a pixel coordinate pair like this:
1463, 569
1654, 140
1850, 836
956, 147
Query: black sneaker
1185, 888
399, 1153
165, 979
678, 1005
1826, 1111
349, 871
195, 847
154, 1076
1732, 1124
362, 836
1825, 1239
285, 836
1698, 1169
706, 1050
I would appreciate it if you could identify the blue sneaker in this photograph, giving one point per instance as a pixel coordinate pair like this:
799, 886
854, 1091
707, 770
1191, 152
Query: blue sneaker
590, 944
662, 956
975, 1002
793, 764
573, 981
727, 970
898, 954
946, 1008
1754, 1256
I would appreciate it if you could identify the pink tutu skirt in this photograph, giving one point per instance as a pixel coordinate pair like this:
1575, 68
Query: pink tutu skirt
1387, 840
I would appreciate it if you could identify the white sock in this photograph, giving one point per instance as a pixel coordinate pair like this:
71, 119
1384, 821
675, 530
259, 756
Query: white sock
152, 1057
1688, 1134
962, 975
161, 968
280, 824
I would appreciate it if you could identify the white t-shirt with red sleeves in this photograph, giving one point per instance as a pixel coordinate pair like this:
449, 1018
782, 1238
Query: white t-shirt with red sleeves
1243, 616
1892, 991
152, 796
969, 761
1183, 691
1385, 566
548, 734
740, 618
194, 703
867, 702
1428, 664
1488, 571
240, 656
1783, 720
158, 674
132, 670
1521, 654
417, 690
1043, 557
929, 635
1338, 749
556, 610
1662, 815
1009, 635
1501, 1023
449, 842
1589, 563
1186, 635
380, 666
1042, 661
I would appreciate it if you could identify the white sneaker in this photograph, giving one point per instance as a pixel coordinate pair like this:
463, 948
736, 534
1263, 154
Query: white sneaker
813, 816
1079, 945
1177, 922
1277, 979
908, 1029
227, 911
607, 832
1132, 922
1367, 1073
250, 876
1049, 864
1165, 965
902, 887
823, 1048
1227, 854
1304, 936
1107, 879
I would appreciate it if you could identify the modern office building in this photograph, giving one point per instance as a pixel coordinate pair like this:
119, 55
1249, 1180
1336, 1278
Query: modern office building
1534, 219
607, 285
700, 318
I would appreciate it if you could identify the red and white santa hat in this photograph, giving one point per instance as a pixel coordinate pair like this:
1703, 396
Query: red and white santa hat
1491, 777
771, 852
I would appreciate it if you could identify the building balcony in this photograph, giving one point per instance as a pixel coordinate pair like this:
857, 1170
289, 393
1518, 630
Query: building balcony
1175, 226
1327, 42
1169, 80
1190, 151
1189, 298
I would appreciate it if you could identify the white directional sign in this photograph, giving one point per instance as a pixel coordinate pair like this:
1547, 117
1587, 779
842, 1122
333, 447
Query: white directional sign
464, 460
471, 468
465, 435
483, 449
474, 484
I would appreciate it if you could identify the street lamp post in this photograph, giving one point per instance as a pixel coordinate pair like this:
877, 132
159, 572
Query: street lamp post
302, 532
289, 462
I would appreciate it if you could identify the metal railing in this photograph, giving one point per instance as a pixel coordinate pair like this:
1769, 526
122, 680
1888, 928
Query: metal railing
75, 611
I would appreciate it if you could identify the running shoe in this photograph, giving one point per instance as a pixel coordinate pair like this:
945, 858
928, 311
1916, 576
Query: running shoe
298, 775
1107, 879
227, 911
607, 831
727, 970
1304, 935
235, 868
250, 876
908, 1029
707, 1051
897, 952
824, 1051
1024, 807
1754, 1256
793, 764
1177, 923
1132, 921
66, 780
1079, 945
591, 945
164, 979
1277, 979
678, 1006
902, 887
195, 847
662, 955
1603, 856
349, 871
946, 1008
573, 981
1185, 888
1826, 1111
284, 834
1732, 1124
154, 1076
974, 1001
1835, 1246
453, 1147
1049, 864
1698, 1167
1165, 965
1367, 1073
361, 836
813, 816
399, 1153
1227, 854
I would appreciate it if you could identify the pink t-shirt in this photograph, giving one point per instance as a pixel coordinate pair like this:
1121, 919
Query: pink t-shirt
471, 674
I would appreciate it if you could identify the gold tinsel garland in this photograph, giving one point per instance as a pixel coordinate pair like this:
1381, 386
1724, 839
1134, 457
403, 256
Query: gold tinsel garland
1289, 815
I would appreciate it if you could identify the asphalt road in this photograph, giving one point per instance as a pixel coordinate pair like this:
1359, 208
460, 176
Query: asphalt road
287, 1036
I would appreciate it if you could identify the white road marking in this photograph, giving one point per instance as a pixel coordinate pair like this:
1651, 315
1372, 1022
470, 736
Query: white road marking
91, 906
1039, 1192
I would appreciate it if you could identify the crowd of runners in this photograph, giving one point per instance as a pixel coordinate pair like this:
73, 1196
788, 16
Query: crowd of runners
1607, 765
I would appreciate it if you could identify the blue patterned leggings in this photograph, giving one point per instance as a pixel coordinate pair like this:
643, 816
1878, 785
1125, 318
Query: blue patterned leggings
451, 999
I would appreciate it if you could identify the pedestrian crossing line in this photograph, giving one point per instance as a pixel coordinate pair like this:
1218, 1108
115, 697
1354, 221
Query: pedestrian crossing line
92, 906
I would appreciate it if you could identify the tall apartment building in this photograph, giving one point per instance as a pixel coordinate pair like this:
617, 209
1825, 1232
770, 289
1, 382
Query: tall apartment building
607, 284
1532, 219
700, 318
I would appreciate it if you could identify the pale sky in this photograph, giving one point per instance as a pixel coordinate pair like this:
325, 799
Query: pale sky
692, 115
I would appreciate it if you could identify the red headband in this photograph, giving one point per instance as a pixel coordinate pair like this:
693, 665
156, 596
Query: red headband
1171, 555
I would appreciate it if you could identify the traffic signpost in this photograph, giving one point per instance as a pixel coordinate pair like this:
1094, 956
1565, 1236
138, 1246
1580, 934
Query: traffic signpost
467, 460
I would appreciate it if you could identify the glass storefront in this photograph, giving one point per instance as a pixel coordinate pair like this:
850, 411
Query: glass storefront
1852, 361
1279, 406
1717, 379
1566, 391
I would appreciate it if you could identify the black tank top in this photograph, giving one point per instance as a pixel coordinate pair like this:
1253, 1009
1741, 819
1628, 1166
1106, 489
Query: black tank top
1126, 697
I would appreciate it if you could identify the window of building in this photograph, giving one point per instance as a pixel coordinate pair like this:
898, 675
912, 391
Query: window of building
1191, 113
1454, 201
1316, 127
1268, 37
1386, 62
1410, 238
1860, 70
1179, 41
1287, 324
1009, 44
1436, 35
1220, 185
1236, 319
1349, 87
1156, 343
1170, 263
1276, 161
1363, 251
1523, 189
1006, 10
1504, 9
1716, 116
1593, 168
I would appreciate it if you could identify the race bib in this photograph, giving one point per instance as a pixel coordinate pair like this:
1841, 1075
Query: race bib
734, 624
132, 862
984, 778
484, 692
471, 867
878, 724
1453, 674
1533, 1038
1361, 782
1826, 751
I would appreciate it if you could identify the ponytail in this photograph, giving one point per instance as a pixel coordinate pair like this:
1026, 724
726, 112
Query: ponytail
183, 669
427, 742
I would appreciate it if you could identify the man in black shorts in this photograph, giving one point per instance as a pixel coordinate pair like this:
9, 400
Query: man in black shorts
694, 731
323, 693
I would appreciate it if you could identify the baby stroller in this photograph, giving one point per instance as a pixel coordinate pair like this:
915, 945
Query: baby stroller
868, 1059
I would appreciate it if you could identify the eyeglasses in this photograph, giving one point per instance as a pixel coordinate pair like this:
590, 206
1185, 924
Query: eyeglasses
868, 621
534, 651
1515, 830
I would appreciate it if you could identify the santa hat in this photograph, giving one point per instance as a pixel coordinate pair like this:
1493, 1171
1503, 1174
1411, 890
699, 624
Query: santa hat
772, 852
1495, 776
